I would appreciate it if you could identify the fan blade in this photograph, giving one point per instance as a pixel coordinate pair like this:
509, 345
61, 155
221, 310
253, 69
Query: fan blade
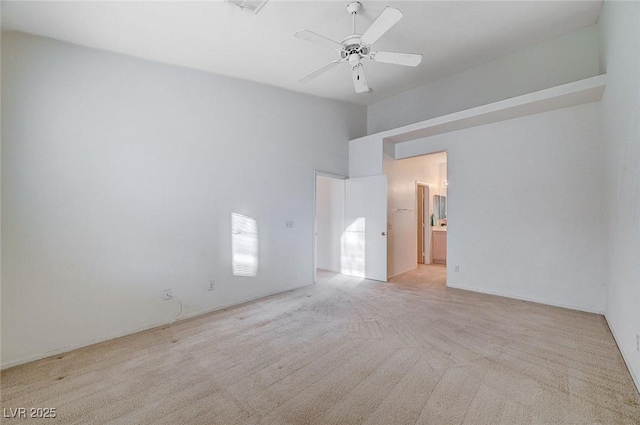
406, 59
383, 23
317, 38
359, 81
310, 76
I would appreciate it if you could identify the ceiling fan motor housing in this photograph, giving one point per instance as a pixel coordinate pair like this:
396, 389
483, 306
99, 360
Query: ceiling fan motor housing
351, 45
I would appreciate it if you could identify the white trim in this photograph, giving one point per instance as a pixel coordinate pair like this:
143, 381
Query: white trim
529, 299
330, 175
563, 96
398, 274
94, 341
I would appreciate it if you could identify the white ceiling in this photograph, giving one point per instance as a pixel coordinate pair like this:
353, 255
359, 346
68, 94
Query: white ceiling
219, 37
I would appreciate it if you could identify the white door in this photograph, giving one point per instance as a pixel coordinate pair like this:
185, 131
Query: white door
364, 242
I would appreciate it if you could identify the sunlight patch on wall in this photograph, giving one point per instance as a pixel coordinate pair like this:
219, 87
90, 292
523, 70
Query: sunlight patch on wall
244, 245
352, 260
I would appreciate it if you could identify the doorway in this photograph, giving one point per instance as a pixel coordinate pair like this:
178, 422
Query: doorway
329, 222
417, 213
349, 233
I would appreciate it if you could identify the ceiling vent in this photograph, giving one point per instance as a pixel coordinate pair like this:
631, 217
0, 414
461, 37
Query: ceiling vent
249, 5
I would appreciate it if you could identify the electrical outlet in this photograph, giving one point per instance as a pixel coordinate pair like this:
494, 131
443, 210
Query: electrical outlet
288, 224
212, 285
457, 268
166, 294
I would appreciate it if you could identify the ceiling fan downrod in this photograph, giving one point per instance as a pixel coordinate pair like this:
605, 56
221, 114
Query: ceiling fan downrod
353, 8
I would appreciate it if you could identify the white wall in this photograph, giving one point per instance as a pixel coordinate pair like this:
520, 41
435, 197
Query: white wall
330, 212
119, 177
365, 157
402, 238
620, 38
558, 61
525, 216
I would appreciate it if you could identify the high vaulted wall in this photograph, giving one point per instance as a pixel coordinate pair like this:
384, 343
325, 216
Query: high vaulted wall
525, 196
564, 59
545, 207
620, 46
119, 178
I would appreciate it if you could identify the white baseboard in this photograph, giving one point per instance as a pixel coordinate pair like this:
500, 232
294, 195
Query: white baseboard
132, 331
399, 273
625, 357
530, 299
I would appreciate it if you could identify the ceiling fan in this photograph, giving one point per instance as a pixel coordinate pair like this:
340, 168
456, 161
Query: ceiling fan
354, 47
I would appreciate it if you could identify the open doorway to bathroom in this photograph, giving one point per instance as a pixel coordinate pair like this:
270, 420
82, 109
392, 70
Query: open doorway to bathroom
417, 219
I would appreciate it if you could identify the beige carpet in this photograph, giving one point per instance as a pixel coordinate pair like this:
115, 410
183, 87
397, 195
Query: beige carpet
346, 351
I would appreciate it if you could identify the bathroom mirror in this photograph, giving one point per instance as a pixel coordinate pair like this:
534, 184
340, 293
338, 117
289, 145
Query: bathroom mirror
439, 207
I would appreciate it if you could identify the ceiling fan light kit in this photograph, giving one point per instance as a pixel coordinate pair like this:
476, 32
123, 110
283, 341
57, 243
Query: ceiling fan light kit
354, 47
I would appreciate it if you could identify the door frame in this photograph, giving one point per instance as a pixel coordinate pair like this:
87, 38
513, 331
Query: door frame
435, 151
314, 228
427, 230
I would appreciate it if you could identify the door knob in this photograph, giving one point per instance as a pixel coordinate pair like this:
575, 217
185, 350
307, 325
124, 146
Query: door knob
384, 233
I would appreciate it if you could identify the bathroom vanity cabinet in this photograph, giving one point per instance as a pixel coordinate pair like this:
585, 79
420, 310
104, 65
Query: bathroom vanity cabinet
439, 238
